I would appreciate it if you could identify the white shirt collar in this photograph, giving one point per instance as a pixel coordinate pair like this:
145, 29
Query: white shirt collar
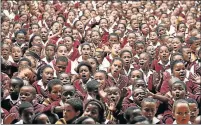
130, 69
175, 122
160, 62
13, 101
146, 77
155, 120
40, 83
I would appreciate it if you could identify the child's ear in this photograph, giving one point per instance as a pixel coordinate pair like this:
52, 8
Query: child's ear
77, 113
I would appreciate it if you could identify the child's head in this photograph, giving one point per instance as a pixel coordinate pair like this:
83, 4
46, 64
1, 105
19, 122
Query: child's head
113, 94
101, 77
24, 62
73, 108
178, 90
138, 95
193, 109
36, 48
27, 93
68, 41
178, 69
50, 50
65, 78
149, 108
194, 43
95, 109
44, 33
164, 54
35, 28
41, 118
131, 37
95, 37
140, 120
151, 50
136, 74
113, 38
139, 47
35, 40
55, 89
68, 92
61, 63
85, 50
186, 52
5, 27
15, 86
26, 111
55, 27
16, 53
126, 55
131, 113
94, 63
176, 56
85, 70
139, 83
92, 88
116, 66
153, 36
67, 31
61, 50
46, 73
181, 111
176, 43
5, 50
144, 60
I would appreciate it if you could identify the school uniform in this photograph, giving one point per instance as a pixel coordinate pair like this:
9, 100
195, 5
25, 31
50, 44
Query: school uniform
128, 102
40, 88
132, 67
104, 65
8, 103
38, 108
175, 122
20, 122
73, 54
121, 82
159, 67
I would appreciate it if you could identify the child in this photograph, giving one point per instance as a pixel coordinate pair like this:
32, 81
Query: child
13, 97
54, 91
41, 118
94, 64
102, 61
50, 50
149, 109
27, 94
131, 113
115, 49
92, 90
139, 48
193, 109
95, 109
73, 108
26, 112
41, 86
114, 77
181, 112
61, 65
65, 78
16, 53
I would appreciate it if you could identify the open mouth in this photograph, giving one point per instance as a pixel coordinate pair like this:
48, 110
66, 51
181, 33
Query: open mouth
182, 75
177, 95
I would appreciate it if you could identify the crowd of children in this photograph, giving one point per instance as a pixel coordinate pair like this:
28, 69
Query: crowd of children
100, 62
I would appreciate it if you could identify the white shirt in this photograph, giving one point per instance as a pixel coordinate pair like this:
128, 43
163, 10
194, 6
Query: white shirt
104, 65
175, 122
20, 122
40, 83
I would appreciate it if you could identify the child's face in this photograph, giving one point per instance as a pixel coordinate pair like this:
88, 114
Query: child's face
176, 44
5, 27
37, 40
60, 20
68, 42
60, 67
7, 41
187, 54
5, 51
75, 34
14, 89
116, 67
113, 94
17, 27
27, 115
93, 63
79, 26
144, 61
62, 51
69, 112
139, 95
35, 28
195, 45
139, 84
71, 16
140, 48
194, 111
135, 75
151, 51
47, 74
68, 92
182, 28
103, 24
68, 31
161, 31
26, 94
182, 113
95, 37
113, 40
197, 25
179, 71
16, 53
49, 51
55, 94
126, 56
164, 54
65, 78
86, 50
131, 39
153, 37
92, 111
115, 49
36, 49
178, 91
55, 28
152, 21
149, 110
100, 77
84, 73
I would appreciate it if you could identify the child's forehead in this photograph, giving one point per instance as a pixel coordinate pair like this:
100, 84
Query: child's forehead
113, 89
65, 75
